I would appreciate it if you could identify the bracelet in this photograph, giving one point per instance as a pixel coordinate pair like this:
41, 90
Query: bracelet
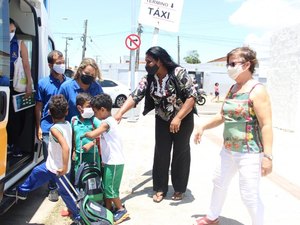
269, 156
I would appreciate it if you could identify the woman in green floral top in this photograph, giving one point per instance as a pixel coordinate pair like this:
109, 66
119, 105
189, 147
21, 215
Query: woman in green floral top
248, 136
172, 93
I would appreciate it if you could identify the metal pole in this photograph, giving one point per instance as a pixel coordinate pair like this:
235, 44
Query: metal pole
132, 59
66, 52
84, 39
155, 36
178, 49
137, 60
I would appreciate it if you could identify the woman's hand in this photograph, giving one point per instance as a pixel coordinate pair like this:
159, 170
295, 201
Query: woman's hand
266, 166
28, 90
198, 135
175, 125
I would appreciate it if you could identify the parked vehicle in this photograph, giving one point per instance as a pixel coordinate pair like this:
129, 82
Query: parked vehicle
201, 99
32, 20
117, 91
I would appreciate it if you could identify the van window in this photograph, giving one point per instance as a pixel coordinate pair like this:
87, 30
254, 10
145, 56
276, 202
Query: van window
4, 44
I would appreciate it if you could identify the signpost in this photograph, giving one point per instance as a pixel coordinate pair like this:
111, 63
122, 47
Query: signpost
133, 41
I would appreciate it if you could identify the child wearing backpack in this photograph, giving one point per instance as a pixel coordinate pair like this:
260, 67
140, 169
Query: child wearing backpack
112, 154
81, 124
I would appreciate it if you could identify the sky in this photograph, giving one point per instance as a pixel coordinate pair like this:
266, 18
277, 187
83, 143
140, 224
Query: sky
211, 27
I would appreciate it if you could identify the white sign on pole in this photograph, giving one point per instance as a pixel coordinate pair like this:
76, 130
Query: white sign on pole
163, 14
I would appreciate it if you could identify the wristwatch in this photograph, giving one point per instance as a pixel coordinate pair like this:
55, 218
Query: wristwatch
269, 156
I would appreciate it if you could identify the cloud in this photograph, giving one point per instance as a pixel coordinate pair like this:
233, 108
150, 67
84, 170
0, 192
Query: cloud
267, 14
261, 44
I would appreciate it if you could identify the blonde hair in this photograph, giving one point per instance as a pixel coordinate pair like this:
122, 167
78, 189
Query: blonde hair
88, 62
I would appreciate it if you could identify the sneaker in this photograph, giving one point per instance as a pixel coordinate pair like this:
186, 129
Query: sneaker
120, 216
17, 155
206, 221
15, 194
17, 152
77, 222
53, 195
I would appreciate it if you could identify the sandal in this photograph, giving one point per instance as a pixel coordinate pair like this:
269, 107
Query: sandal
206, 221
158, 196
177, 196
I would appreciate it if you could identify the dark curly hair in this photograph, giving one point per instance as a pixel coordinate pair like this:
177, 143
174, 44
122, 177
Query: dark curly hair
82, 98
58, 106
102, 100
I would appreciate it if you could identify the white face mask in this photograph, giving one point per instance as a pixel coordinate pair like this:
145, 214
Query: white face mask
87, 113
234, 72
12, 34
59, 68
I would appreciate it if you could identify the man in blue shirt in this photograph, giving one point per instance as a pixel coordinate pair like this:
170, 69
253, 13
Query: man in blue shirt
47, 87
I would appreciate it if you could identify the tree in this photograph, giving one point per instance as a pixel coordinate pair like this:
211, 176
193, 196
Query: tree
192, 58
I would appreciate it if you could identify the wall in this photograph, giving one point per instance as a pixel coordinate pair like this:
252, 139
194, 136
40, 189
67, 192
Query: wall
284, 78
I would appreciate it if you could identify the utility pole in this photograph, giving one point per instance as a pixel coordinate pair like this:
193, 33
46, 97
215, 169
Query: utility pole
178, 50
98, 60
66, 52
84, 39
137, 58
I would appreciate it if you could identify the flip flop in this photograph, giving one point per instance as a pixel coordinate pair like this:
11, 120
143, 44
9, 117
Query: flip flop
177, 196
158, 196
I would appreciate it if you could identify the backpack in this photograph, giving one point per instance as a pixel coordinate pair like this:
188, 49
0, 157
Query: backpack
93, 213
89, 180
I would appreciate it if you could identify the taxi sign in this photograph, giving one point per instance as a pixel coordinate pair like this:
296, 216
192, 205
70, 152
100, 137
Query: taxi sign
164, 14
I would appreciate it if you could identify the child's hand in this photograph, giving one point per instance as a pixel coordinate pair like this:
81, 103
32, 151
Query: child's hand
88, 146
83, 136
62, 171
73, 155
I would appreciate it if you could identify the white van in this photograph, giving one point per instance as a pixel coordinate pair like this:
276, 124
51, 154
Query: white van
31, 17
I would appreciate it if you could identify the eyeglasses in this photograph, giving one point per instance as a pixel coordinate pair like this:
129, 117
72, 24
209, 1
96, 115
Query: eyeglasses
233, 64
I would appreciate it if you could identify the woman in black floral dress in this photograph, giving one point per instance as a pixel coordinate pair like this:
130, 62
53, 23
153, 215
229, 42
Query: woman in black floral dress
170, 91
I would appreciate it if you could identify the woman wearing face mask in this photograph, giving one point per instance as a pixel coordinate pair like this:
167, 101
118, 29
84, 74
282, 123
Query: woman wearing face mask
85, 80
16, 120
246, 114
172, 93
82, 123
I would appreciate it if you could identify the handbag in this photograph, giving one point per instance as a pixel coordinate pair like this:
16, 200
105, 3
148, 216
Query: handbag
20, 79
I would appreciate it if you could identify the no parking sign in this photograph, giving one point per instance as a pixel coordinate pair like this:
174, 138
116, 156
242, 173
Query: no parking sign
133, 41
